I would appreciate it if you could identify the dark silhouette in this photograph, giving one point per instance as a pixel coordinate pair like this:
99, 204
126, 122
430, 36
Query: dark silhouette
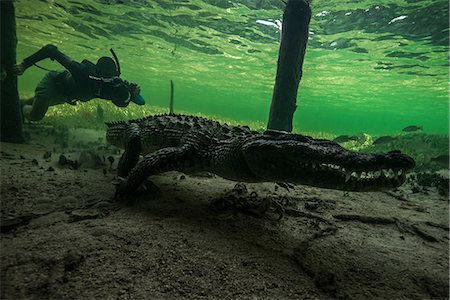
78, 82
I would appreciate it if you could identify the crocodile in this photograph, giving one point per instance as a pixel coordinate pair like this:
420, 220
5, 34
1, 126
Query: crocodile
191, 144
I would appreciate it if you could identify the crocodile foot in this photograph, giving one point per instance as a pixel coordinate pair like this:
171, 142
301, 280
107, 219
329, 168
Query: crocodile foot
122, 190
119, 182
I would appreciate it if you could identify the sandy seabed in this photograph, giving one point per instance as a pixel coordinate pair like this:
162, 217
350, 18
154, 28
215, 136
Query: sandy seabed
64, 236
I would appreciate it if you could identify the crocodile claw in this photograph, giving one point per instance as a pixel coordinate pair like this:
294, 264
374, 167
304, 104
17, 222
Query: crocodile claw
149, 186
119, 182
123, 190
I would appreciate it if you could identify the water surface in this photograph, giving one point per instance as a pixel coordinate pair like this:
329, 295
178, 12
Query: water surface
371, 66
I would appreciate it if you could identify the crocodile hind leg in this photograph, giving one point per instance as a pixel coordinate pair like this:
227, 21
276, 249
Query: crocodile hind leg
163, 160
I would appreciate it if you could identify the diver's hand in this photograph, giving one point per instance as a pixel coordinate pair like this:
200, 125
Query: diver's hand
135, 90
18, 69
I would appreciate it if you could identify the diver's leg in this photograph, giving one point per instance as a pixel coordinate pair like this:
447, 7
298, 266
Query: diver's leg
45, 95
28, 101
25, 106
37, 110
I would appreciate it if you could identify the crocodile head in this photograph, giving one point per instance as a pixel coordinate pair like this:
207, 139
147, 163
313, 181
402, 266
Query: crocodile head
321, 163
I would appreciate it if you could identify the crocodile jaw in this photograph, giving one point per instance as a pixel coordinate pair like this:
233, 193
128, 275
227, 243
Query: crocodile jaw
326, 177
326, 165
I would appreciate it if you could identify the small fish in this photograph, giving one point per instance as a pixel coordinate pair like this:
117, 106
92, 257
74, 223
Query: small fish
384, 140
441, 159
345, 138
412, 128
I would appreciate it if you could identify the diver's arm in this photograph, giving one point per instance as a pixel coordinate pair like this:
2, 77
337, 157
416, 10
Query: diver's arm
52, 52
135, 93
135, 89
122, 93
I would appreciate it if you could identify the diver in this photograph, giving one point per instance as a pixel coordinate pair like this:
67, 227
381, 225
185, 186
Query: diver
79, 82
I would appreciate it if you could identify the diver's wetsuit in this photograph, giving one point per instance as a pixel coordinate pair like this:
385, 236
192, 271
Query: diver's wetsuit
78, 82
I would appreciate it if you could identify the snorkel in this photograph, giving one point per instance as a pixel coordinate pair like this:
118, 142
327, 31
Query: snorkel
139, 100
116, 59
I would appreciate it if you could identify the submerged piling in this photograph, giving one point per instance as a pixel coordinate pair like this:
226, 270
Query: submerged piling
10, 117
171, 98
296, 17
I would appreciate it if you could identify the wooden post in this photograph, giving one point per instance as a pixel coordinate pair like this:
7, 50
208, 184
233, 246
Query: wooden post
11, 120
296, 17
171, 98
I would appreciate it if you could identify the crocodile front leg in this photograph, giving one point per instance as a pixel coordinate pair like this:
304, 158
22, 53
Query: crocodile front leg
167, 159
132, 150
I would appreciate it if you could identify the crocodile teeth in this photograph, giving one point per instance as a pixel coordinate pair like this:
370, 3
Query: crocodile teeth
381, 174
392, 173
347, 177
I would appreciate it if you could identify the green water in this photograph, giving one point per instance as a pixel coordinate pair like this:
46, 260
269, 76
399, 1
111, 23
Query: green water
371, 66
